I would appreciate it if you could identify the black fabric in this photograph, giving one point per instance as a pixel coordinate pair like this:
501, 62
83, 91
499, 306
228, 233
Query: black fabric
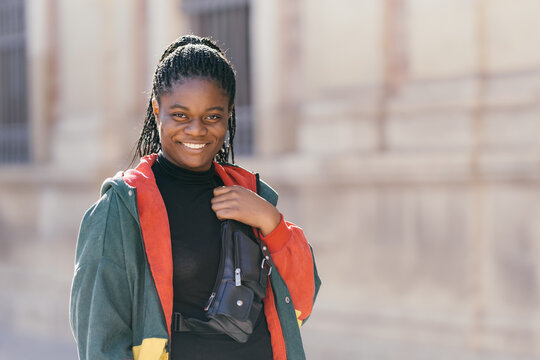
237, 297
195, 236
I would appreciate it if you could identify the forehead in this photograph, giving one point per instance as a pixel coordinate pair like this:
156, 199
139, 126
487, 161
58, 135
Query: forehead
194, 88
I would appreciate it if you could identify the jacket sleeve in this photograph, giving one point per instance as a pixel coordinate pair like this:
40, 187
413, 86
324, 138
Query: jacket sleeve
292, 256
100, 305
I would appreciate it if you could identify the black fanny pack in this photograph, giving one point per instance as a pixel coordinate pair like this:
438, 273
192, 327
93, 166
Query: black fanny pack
236, 299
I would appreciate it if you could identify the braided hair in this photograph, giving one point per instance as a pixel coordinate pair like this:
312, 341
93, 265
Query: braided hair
189, 56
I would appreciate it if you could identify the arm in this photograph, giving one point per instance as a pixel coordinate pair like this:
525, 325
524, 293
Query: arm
100, 307
292, 256
288, 247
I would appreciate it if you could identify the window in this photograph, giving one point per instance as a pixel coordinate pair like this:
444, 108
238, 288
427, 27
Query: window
227, 22
14, 146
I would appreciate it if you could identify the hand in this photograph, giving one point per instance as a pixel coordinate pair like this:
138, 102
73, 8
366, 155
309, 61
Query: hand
238, 203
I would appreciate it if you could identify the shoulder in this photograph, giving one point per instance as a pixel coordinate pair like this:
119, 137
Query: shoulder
126, 184
116, 196
112, 218
267, 192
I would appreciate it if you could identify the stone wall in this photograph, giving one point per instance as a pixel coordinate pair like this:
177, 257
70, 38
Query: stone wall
402, 136
415, 175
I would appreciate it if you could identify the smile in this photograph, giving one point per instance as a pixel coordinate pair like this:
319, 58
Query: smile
194, 146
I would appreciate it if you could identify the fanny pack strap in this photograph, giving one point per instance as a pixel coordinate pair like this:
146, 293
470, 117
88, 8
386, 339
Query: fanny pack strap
210, 327
182, 324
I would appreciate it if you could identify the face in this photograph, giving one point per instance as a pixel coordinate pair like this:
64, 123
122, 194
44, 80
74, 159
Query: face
192, 122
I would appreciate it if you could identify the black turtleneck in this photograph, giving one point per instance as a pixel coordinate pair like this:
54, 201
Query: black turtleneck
195, 232
195, 237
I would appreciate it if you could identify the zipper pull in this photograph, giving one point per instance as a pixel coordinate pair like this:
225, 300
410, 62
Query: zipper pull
237, 277
210, 300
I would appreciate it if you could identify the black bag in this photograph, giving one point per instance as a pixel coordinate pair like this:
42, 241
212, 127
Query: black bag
236, 299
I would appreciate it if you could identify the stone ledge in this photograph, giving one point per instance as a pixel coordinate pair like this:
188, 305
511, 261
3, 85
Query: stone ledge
392, 168
36, 175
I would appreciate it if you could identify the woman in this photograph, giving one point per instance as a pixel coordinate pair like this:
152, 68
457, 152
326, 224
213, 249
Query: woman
148, 253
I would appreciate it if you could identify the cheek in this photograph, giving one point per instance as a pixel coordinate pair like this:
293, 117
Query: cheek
222, 136
221, 130
167, 129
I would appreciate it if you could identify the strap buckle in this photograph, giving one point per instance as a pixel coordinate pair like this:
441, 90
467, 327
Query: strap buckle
178, 322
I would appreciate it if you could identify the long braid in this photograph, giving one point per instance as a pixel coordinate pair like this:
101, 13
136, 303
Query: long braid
189, 56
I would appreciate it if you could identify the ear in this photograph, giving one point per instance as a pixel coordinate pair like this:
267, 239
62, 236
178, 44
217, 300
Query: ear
155, 107
231, 108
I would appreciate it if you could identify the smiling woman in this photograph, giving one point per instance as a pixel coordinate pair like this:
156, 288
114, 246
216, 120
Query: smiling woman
155, 254
190, 58
192, 123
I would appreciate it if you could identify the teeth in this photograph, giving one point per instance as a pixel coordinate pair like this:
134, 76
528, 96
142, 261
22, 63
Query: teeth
194, 146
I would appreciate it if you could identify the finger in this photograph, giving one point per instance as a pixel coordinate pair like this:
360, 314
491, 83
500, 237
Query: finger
226, 204
233, 192
217, 206
226, 213
222, 190
230, 196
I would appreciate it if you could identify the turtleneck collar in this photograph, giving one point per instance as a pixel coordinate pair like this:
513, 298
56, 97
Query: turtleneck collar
185, 175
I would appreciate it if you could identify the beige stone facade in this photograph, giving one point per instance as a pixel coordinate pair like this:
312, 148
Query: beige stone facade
402, 135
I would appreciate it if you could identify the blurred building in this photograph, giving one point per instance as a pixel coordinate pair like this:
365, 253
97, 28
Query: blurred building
403, 135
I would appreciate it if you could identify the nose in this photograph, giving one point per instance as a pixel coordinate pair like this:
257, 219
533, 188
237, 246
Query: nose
195, 127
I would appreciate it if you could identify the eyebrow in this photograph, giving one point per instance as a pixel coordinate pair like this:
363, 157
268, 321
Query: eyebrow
212, 108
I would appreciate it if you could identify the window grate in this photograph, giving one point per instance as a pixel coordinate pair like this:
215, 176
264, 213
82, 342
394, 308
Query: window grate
14, 129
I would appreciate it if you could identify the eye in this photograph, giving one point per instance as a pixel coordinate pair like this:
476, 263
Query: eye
179, 116
213, 117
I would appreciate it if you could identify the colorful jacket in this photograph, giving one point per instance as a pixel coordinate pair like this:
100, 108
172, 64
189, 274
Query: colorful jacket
122, 293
